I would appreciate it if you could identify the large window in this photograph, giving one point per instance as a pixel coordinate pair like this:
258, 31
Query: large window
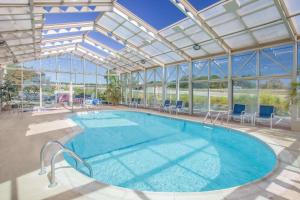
200, 97
50, 79
276, 60
246, 92
171, 84
183, 79
137, 85
244, 65
218, 92
275, 92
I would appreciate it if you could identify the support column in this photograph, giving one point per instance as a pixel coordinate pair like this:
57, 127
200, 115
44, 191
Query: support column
230, 87
164, 84
257, 81
177, 83
190, 88
294, 107
41, 90
145, 88
71, 84
83, 81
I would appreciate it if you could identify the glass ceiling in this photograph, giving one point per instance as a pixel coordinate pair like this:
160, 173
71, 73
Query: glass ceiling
158, 13
138, 34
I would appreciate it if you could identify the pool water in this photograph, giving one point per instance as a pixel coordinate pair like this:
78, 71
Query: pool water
153, 153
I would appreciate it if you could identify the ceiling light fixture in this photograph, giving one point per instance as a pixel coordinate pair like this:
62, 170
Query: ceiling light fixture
143, 61
196, 47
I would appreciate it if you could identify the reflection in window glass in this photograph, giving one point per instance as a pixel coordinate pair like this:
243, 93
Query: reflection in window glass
48, 77
90, 68
218, 92
245, 92
90, 79
77, 65
49, 64
276, 60
200, 97
64, 63
275, 92
34, 65
200, 70
219, 68
244, 65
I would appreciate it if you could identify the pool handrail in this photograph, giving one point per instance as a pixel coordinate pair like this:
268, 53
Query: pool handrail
63, 149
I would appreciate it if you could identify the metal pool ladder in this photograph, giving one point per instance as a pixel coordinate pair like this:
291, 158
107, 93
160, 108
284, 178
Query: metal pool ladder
62, 149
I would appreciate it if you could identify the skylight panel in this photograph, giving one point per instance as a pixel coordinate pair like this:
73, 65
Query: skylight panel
58, 18
106, 40
202, 4
95, 49
62, 35
158, 14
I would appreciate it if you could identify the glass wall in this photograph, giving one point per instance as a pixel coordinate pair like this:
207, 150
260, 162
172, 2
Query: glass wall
137, 85
154, 87
49, 81
210, 86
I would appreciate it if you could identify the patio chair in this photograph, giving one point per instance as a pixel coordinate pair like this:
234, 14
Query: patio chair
132, 102
97, 102
165, 106
237, 112
178, 106
266, 112
138, 102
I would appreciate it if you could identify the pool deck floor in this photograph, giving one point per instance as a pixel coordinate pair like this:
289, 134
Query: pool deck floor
23, 135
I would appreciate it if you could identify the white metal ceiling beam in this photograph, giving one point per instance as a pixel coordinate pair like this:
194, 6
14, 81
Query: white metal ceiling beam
287, 21
152, 30
68, 25
191, 12
112, 52
127, 43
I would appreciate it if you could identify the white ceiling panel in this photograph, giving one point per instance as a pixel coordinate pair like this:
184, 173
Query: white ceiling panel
264, 16
240, 41
229, 27
123, 32
272, 33
193, 53
183, 42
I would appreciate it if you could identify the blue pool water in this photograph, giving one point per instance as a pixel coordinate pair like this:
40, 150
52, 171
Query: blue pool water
153, 153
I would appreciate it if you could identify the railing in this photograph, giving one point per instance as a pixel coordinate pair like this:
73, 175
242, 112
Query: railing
63, 149
219, 114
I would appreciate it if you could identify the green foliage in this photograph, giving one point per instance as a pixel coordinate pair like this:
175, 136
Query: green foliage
113, 91
7, 90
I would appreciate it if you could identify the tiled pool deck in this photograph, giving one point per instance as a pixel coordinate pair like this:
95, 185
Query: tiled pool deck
22, 136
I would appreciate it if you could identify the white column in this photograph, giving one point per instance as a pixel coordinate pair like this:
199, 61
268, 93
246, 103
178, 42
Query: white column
164, 83
208, 89
145, 88
41, 90
83, 81
294, 108
257, 75
190, 87
230, 88
71, 83
177, 82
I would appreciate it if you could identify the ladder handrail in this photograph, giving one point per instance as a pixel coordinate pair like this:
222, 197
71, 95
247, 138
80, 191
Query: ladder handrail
72, 154
42, 153
62, 149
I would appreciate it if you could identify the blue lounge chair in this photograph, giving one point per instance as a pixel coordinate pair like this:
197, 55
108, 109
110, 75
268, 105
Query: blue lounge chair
178, 106
166, 105
265, 113
238, 111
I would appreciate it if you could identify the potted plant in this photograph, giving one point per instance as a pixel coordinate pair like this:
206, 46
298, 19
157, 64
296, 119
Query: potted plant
294, 98
113, 90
